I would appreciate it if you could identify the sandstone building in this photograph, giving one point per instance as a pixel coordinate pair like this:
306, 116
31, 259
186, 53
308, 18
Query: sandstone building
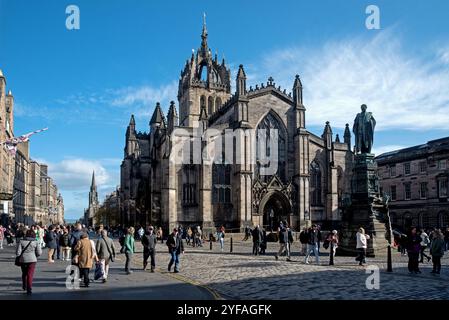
234, 189
27, 194
416, 179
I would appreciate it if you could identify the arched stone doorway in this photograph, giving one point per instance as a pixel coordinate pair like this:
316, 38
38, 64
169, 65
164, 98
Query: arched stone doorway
274, 207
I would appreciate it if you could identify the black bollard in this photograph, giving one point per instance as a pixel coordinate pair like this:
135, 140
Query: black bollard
210, 240
331, 257
231, 245
389, 260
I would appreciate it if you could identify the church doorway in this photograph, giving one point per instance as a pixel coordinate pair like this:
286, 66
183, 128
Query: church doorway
275, 208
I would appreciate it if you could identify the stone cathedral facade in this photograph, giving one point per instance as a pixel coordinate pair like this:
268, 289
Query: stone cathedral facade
310, 181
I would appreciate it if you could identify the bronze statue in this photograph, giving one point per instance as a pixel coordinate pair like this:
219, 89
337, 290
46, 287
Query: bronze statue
363, 129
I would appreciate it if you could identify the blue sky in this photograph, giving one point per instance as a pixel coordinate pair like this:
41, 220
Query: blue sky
127, 55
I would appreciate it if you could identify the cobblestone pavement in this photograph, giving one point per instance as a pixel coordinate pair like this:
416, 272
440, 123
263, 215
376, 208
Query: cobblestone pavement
241, 275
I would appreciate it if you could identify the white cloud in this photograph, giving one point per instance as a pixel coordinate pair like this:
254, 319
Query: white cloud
401, 90
75, 174
145, 97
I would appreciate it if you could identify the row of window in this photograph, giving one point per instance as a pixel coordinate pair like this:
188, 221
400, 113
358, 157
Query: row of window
211, 105
422, 167
442, 190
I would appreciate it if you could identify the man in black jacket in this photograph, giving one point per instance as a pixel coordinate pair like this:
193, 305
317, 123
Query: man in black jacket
149, 241
284, 240
257, 239
175, 248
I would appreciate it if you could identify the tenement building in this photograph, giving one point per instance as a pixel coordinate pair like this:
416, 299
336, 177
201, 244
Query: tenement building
233, 158
27, 194
6, 159
416, 179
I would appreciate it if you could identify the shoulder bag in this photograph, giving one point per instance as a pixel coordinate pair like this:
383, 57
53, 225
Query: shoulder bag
17, 261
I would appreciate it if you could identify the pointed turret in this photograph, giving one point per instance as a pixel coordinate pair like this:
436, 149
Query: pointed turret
172, 117
297, 91
327, 135
157, 120
347, 136
241, 81
337, 138
204, 33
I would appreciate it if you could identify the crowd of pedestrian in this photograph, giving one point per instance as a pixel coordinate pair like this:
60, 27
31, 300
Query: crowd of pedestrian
88, 248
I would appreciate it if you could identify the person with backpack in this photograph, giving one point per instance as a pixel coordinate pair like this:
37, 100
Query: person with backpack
28, 249
75, 237
425, 242
149, 241
129, 249
105, 252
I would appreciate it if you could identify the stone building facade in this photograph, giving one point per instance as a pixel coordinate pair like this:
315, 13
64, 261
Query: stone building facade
303, 181
6, 159
27, 194
416, 179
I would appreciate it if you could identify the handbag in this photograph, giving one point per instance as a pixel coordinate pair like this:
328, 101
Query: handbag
109, 250
17, 261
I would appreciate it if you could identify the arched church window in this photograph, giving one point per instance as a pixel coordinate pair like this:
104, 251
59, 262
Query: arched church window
210, 106
189, 185
271, 148
221, 183
202, 103
203, 73
315, 183
217, 103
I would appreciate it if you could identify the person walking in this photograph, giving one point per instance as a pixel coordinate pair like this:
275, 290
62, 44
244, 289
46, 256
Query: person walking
28, 250
413, 250
313, 239
362, 245
129, 249
283, 242
149, 241
303, 239
446, 240
221, 236
263, 242
57, 252
175, 248
189, 236
159, 235
332, 241
50, 242
64, 243
437, 251
425, 242
85, 255
75, 237
257, 238
105, 252
2, 236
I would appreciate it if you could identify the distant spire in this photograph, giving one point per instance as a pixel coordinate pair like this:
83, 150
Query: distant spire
297, 91
347, 136
132, 121
337, 138
92, 185
241, 81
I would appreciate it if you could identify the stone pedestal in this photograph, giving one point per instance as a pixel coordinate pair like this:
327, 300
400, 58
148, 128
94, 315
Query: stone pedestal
365, 209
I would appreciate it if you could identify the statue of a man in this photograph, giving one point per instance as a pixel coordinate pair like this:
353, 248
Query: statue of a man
363, 129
